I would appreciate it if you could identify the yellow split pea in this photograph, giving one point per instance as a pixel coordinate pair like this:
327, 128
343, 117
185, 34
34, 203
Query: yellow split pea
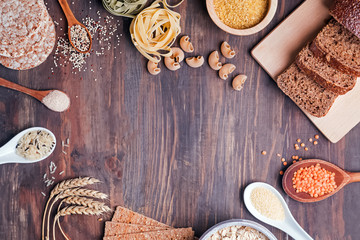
241, 14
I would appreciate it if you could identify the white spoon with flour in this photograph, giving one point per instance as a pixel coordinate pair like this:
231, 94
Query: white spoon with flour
266, 204
40, 142
55, 100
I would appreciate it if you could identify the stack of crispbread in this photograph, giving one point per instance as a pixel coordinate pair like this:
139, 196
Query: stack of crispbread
129, 225
27, 33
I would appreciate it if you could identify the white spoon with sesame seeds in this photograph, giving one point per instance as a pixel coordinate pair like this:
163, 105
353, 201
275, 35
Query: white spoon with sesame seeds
79, 35
286, 223
8, 152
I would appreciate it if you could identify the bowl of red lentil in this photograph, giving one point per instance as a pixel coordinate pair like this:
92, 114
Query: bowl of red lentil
241, 17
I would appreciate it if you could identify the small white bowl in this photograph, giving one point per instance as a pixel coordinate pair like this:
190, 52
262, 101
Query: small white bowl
247, 31
237, 222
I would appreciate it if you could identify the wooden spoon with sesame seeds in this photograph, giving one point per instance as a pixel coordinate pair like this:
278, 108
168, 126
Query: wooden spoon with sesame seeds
72, 23
342, 178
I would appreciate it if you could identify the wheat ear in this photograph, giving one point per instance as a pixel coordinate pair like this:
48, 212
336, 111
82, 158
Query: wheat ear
74, 192
75, 210
70, 183
81, 201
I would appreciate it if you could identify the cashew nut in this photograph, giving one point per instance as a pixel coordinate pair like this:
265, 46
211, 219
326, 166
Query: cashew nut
186, 45
153, 68
226, 70
173, 62
227, 51
214, 60
239, 81
195, 62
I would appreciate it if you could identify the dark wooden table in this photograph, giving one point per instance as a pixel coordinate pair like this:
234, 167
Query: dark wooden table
179, 147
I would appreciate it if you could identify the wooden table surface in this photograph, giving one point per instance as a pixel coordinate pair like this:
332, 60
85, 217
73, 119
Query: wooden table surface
179, 147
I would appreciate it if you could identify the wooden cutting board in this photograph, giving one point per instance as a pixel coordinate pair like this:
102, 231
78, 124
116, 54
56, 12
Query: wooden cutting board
278, 50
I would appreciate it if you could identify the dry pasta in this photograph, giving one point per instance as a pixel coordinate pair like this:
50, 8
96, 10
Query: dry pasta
126, 8
154, 30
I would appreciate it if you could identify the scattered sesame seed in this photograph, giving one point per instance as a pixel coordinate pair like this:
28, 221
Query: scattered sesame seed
278, 155
315, 142
298, 140
281, 172
283, 159
316, 136
285, 163
306, 149
263, 152
302, 144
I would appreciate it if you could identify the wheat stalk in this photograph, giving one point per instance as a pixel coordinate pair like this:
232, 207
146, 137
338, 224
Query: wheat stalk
81, 201
67, 184
74, 192
76, 210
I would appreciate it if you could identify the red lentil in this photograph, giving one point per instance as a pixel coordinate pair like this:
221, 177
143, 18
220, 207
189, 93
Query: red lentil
316, 136
315, 142
314, 180
285, 163
281, 172
302, 144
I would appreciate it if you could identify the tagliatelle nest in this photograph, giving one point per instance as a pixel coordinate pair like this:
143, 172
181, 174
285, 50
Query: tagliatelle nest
154, 31
126, 8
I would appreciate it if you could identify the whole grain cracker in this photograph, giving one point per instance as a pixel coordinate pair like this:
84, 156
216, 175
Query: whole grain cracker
116, 228
125, 215
175, 234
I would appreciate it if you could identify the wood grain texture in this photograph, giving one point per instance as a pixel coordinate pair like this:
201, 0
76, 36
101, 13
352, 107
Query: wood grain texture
178, 147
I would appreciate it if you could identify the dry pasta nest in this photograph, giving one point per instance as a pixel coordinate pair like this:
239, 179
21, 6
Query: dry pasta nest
154, 30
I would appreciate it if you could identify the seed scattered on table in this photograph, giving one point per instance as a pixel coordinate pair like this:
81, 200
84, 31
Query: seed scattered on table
263, 152
285, 163
298, 140
302, 144
316, 136
310, 139
281, 172
315, 142
278, 155
283, 159
306, 149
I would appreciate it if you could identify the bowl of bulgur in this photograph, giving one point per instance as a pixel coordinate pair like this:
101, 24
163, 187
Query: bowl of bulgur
238, 229
241, 17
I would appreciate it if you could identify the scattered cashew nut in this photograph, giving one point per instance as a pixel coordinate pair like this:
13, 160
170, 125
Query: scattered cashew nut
153, 68
226, 70
195, 62
239, 81
173, 62
214, 61
227, 51
186, 45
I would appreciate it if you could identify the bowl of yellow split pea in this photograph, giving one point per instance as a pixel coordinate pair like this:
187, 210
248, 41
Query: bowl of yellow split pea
241, 17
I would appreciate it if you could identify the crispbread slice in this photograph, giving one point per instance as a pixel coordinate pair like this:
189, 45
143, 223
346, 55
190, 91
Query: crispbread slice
305, 92
116, 228
125, 215
173, 234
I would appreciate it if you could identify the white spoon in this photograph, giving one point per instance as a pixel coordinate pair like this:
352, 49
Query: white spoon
288, 225
8, 151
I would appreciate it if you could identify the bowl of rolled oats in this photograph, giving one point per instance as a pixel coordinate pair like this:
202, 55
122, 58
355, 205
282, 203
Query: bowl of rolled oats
237, 229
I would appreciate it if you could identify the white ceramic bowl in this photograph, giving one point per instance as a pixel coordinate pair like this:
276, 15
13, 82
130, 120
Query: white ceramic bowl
247, 31
237, 222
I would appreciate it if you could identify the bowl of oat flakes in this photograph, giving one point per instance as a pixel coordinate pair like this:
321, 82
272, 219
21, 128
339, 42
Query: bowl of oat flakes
238, 229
